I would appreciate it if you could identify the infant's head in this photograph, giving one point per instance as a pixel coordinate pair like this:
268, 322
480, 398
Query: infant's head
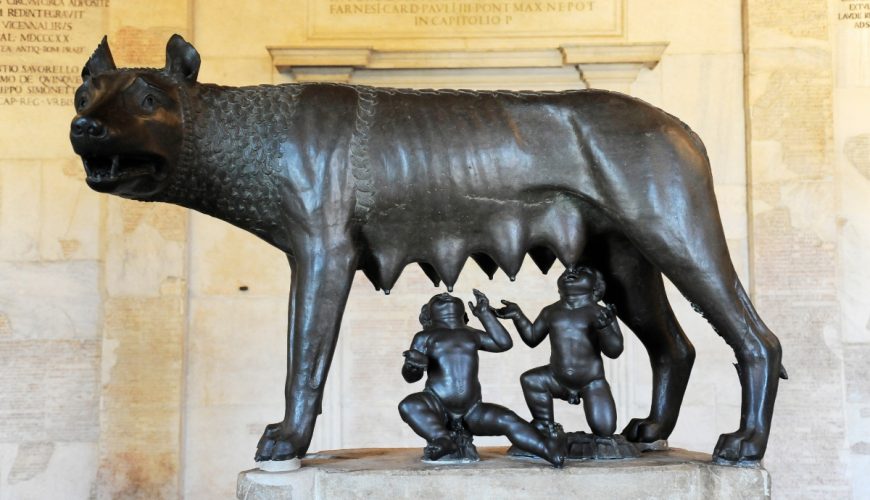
442, 307
581, 281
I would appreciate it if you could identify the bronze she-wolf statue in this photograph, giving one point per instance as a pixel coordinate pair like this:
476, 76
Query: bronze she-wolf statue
345, 178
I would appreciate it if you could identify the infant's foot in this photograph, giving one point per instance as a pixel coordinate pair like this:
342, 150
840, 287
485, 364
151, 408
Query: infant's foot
556, 451
549, 428
439, 448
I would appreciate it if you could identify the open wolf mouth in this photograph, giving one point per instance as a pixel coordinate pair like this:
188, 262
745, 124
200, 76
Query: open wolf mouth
111, 169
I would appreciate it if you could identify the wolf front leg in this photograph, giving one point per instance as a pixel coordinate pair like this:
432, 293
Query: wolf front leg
321, 282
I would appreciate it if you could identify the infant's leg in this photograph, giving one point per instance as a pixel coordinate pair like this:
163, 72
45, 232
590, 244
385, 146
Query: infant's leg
487, 419
599, 407
422, 411
539, 389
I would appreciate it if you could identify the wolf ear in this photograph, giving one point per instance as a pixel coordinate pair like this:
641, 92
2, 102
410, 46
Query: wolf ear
100, 61
182, 59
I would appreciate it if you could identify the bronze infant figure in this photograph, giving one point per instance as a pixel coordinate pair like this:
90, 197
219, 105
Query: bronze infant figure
580, 331
344, 178
450, 410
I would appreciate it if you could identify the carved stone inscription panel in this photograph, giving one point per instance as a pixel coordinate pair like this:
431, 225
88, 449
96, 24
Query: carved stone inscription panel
42, 44
353, 19
854, 13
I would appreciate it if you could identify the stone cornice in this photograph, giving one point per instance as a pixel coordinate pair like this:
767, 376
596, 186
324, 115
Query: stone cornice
612, 66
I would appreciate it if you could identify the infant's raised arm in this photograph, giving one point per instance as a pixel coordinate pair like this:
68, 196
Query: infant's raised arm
531, 333
607, 329
495, 338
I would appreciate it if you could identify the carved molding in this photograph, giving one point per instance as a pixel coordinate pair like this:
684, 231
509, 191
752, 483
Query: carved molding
609, 66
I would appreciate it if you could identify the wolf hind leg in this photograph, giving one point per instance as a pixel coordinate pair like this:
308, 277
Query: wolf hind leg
636, 287
690, 249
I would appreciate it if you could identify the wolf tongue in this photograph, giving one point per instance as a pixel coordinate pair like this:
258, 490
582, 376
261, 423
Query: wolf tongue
115, 163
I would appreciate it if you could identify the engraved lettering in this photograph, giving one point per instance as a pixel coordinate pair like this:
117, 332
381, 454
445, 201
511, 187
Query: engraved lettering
852, 13
443, 18
35, 38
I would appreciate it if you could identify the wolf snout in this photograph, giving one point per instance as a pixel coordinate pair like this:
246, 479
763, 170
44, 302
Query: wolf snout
87, 127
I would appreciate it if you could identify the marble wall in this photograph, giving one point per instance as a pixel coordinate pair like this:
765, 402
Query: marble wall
51, 305
141, 346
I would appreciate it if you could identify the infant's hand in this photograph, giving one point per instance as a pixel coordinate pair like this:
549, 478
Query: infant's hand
605, 316
482, 303
415, 358
509, 311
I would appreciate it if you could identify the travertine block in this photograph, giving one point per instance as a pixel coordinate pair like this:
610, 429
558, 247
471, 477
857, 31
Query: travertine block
67, 294
237, 351
47, 212
691, 27
238, 71
225, 258
50, 390
234, 384
795, 250
141, 404
72, 213
399, 473
41, 54
222, 35
853, 162
20, 208
47, 469
221, 439
706, 92
145, 278
139, 30
857, 376
145, 251
797, 117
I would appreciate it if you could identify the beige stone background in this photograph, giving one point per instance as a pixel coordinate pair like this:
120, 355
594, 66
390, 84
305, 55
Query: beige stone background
132, 365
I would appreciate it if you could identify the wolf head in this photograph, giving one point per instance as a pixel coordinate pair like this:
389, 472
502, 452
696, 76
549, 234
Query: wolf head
129, 123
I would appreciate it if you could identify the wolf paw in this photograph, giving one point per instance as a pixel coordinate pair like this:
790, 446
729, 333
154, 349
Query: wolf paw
643, 430
740, 448
278, 443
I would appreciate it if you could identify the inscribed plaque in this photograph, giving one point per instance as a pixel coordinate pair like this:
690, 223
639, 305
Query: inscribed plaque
380, 19
43, 44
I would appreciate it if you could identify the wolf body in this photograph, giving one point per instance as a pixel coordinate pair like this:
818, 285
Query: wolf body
345, 178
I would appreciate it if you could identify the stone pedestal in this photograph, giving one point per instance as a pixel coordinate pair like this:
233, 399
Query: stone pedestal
399, 473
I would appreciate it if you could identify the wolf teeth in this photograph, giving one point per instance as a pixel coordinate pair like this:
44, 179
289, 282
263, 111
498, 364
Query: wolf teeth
116, 161
88, 170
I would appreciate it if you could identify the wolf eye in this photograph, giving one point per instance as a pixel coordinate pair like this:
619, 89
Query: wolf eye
148, 102
81, 102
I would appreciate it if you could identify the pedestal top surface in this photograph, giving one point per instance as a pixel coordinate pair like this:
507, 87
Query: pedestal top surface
491, 458
400, 473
